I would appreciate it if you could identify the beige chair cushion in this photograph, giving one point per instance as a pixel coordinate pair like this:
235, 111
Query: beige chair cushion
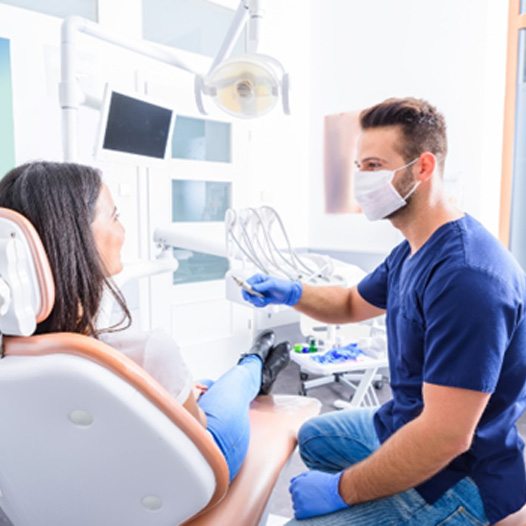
275, 421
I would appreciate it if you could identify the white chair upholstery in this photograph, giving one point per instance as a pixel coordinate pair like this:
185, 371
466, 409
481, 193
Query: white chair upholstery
89, 438
82, 447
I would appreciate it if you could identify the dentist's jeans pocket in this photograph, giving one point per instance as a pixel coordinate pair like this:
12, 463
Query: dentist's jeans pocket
461, 517
460, 505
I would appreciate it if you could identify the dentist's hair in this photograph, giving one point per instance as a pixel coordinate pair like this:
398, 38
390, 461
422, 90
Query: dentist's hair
59, 200
423, 126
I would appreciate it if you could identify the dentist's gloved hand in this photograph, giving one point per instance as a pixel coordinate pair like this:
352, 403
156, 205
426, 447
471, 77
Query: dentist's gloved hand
316, 493
275, 290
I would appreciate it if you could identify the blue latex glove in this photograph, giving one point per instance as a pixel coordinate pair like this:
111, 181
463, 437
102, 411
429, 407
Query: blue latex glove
275, 290
316, 493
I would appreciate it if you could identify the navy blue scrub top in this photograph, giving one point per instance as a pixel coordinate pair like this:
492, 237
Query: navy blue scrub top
455, 317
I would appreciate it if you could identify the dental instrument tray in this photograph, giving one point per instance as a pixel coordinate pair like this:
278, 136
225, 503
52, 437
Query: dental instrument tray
339, 360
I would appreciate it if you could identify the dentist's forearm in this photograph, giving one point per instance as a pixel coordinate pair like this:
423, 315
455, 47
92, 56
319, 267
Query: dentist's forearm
336, 305
408, 458
327, 304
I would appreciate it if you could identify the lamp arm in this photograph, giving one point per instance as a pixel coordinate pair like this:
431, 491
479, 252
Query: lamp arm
232, 35
256, 15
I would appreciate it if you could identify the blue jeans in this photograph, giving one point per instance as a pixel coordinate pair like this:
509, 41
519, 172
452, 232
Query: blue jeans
337, 440
226, 404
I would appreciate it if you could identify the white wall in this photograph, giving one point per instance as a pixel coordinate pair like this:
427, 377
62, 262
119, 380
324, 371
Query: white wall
449, 52
35, 91
279, 160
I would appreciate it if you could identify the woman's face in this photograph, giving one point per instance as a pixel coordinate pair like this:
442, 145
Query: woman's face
108, 232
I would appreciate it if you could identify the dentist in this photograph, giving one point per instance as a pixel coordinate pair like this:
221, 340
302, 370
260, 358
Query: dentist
445, 449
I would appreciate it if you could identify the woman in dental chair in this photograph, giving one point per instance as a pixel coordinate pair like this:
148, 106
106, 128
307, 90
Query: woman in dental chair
78, 223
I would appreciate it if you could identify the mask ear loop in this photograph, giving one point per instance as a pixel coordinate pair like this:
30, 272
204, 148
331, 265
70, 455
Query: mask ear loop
411, 192
406, 165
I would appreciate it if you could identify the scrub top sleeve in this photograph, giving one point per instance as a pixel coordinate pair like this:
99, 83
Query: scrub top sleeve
470, 318
373, 288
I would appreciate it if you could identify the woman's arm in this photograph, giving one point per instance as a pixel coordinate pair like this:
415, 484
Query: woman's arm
191, 406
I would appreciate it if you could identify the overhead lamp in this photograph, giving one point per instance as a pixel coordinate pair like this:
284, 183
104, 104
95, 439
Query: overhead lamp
249, 85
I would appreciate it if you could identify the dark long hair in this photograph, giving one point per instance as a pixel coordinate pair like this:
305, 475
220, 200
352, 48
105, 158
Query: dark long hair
59, 200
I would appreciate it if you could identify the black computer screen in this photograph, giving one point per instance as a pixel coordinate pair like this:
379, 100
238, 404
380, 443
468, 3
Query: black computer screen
135, 126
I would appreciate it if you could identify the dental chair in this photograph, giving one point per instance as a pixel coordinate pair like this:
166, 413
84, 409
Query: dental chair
88, 438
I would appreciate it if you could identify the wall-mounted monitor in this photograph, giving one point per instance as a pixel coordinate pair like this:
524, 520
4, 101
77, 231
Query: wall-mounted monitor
133, 127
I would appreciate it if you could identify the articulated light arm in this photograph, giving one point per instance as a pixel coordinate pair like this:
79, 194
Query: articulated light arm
232, 35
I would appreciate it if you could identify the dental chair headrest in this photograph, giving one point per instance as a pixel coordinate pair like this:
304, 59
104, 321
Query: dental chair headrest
27, 290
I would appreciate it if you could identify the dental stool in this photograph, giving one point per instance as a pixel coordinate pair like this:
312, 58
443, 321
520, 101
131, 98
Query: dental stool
88, 438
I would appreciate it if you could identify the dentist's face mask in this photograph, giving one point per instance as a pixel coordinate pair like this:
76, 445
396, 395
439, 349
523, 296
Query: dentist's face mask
376, 194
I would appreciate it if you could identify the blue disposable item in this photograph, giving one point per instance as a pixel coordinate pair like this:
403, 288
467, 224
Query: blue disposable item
274, 291
300, 348
339, 354
316, 493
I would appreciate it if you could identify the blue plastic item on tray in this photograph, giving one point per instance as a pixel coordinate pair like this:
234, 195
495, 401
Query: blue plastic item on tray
339, 355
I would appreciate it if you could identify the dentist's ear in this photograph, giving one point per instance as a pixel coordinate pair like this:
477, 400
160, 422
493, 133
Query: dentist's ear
426, 166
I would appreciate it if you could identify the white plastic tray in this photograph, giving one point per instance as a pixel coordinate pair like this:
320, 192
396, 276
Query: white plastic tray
312, 367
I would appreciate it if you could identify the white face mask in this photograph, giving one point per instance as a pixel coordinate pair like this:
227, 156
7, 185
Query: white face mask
376, 194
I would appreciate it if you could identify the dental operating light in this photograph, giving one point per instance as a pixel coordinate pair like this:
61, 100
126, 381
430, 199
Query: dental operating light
247, 86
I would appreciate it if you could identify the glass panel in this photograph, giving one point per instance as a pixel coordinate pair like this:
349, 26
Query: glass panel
197, 201
201, 140
195, 25
200, 200
84, 8
518, 208
196, 266
523, 7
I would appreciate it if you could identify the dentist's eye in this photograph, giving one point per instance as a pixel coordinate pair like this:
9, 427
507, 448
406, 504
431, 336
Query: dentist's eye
372, 166
369, 165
